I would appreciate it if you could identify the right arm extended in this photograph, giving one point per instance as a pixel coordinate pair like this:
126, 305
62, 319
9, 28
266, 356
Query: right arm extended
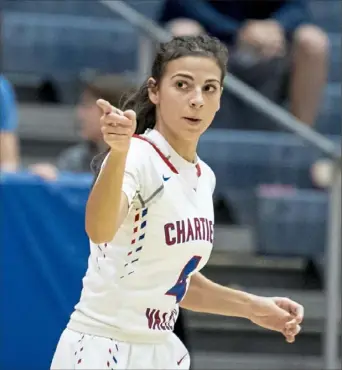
107, 205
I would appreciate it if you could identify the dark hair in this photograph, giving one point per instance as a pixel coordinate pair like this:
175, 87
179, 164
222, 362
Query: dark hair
178, 47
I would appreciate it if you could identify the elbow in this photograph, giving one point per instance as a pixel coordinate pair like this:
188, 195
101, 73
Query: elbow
97, 235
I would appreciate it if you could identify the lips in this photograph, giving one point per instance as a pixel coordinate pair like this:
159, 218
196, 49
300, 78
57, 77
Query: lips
192, 119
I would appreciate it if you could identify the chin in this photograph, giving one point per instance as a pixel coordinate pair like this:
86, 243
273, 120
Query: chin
190, 133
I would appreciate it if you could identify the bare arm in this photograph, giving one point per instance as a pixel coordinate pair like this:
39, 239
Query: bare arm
107, 205
9, 151
278, 314
206, 296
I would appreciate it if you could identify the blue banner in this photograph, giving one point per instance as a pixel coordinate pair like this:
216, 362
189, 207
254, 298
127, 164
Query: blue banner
44, 252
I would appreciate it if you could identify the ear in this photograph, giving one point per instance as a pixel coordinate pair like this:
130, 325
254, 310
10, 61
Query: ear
153, 90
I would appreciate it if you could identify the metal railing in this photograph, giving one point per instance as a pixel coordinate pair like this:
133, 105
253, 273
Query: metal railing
151, 31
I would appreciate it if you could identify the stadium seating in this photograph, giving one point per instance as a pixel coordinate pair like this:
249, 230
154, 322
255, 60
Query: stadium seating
292, 223
37, 39
246, 159
328, 16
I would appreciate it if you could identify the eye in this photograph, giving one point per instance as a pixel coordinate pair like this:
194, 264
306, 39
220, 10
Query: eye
182, 85
210, 88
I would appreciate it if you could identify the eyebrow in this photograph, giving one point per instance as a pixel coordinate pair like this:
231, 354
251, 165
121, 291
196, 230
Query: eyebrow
185, 75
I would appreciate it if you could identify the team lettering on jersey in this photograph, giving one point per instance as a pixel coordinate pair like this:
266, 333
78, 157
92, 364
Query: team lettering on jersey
188, 230
158, 320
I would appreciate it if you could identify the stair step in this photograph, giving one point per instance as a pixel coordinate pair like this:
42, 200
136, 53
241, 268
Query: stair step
237, 361
234, 239
254, 342
248, 270
47, 122
250, 260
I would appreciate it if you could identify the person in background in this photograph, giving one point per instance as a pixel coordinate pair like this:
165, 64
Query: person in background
260, 33
9, 148
78, 157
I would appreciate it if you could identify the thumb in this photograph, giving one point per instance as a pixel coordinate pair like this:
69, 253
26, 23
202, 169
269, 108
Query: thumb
105, 106
131, 115
282, 314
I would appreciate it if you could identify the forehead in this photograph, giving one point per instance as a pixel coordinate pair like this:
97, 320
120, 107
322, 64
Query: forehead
200, 68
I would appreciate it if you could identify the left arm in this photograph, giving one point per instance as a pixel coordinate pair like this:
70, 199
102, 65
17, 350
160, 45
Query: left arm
278, 314
206, 296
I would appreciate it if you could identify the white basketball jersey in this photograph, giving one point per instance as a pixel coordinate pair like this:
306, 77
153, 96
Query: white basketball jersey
135, 283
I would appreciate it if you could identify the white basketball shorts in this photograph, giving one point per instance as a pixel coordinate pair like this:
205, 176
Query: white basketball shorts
82, 351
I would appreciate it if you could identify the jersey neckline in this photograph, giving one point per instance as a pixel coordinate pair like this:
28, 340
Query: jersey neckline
152, 137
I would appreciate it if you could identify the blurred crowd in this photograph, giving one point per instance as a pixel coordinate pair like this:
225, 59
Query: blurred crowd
274, 47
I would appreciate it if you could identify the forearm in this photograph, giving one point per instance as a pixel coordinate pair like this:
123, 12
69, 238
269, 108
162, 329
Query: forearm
206, 296
9, 151
103, 206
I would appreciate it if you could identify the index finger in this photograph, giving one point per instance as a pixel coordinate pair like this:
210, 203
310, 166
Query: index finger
105, 106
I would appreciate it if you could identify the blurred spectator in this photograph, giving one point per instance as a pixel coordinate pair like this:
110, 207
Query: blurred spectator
270, 41
78, 157
322, 173
9, 151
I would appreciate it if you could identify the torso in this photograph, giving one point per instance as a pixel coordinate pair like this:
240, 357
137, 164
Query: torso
135, 283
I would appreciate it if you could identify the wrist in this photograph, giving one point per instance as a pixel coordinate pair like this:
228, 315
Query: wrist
116, 156
247, 305
238, 303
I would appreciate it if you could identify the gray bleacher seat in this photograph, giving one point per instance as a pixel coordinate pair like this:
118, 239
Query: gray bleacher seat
330, 117
55, 45
292, 224
55, 41
245, 159
327, 14
335, 57
150, 8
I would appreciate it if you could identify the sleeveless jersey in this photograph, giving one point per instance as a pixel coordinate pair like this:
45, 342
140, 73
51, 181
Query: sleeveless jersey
134, 284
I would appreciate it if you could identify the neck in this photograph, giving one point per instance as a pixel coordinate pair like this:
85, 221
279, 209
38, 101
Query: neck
186, 149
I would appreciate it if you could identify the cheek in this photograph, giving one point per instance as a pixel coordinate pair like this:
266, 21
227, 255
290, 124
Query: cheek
170, 103
213, 105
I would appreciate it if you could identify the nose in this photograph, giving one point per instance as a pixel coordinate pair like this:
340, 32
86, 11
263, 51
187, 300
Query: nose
196, 101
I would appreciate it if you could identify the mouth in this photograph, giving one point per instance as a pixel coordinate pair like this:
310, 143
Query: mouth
192, 120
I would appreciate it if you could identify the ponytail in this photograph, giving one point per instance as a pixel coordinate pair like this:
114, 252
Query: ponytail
145, 110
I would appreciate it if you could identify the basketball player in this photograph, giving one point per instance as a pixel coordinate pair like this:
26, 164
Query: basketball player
150, 221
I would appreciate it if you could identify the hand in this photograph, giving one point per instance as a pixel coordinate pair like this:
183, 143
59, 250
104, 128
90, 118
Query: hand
46, 171
117, 127
267, 36
278, 314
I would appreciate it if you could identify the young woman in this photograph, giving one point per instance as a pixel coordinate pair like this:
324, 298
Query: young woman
150, 222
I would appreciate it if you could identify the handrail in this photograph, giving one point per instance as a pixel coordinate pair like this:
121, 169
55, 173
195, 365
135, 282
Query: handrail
234, 85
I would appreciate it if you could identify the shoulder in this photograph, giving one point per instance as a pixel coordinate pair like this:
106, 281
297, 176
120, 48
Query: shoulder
7, 91
141, 155
141, 146
8, 113
208, 174
5, 86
